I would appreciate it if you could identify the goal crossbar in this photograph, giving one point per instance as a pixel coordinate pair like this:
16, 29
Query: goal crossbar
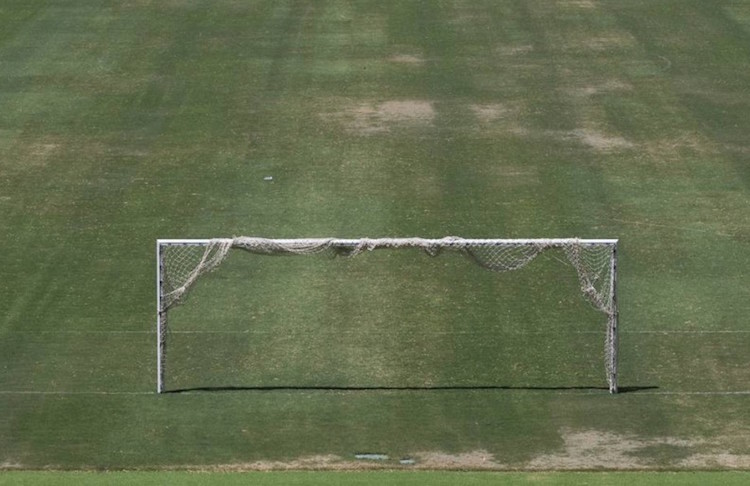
595, 261
405, 242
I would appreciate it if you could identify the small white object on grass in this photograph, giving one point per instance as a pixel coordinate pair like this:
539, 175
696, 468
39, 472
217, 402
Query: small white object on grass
268, 178
372, 457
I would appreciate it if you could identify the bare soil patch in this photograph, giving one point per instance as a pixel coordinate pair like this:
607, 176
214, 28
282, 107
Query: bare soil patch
306, 463
369, 119
593, 449
586, 4
490, 112
43, 150
582, 450
409, 59
309, 462
429, 460
719, 460
479, 459
38, 153
406, 110
610, 86
600, 141
498, 119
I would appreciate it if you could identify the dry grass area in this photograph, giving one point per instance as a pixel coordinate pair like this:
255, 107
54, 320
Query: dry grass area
408, 59
491, 112
609, 86
600, 141
124, 122
374, 118
581, 450
594, 449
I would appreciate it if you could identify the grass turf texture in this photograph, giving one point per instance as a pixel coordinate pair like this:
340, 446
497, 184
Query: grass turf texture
122, 122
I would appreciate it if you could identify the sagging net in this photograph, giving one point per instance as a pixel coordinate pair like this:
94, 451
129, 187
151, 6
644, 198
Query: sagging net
183, 263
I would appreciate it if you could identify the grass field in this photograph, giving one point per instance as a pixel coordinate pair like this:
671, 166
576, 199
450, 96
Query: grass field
126, 121
390, 478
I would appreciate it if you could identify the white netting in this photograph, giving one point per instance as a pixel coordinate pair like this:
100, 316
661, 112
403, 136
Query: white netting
183, 263
594, 265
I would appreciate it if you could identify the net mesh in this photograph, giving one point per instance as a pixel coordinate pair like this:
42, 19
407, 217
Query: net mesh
183, 263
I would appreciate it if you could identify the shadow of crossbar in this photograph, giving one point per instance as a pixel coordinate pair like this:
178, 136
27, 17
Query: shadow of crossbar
324, 388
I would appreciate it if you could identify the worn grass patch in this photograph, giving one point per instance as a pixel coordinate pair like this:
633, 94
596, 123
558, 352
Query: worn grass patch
124, 122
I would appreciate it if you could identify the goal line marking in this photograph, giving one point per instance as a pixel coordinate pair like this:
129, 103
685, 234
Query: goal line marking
554, 392
59, 392
714, 393
360, 331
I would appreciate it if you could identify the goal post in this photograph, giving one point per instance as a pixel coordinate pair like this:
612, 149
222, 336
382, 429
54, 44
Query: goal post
181, 262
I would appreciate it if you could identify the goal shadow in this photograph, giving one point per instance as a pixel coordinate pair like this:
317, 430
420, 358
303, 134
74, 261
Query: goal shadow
624, 389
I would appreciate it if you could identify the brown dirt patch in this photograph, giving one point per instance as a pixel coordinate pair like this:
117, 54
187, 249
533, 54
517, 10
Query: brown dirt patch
39, 153
428, 460
409, 59
490, 112
500, 119
479, 459
586, 4
406, 110
302, 463
600, 141
719, 460
611, 86
369, 119
593, 449
581, 450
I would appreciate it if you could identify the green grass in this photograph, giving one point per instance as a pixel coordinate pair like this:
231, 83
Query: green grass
124, 122
375, 478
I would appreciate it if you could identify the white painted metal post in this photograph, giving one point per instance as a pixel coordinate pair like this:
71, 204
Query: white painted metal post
161, 317
612, 323
161, 311
372, 244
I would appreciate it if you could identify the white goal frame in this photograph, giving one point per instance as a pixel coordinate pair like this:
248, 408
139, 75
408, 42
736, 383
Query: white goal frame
351, 247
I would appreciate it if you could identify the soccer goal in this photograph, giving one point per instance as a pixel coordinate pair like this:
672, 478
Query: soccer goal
181, 262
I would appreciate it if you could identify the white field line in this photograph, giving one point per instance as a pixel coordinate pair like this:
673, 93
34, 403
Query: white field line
359, 331
554, 392
60, 392
697, 393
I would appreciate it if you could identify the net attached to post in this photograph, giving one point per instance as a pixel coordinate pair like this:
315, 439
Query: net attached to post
593, 261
